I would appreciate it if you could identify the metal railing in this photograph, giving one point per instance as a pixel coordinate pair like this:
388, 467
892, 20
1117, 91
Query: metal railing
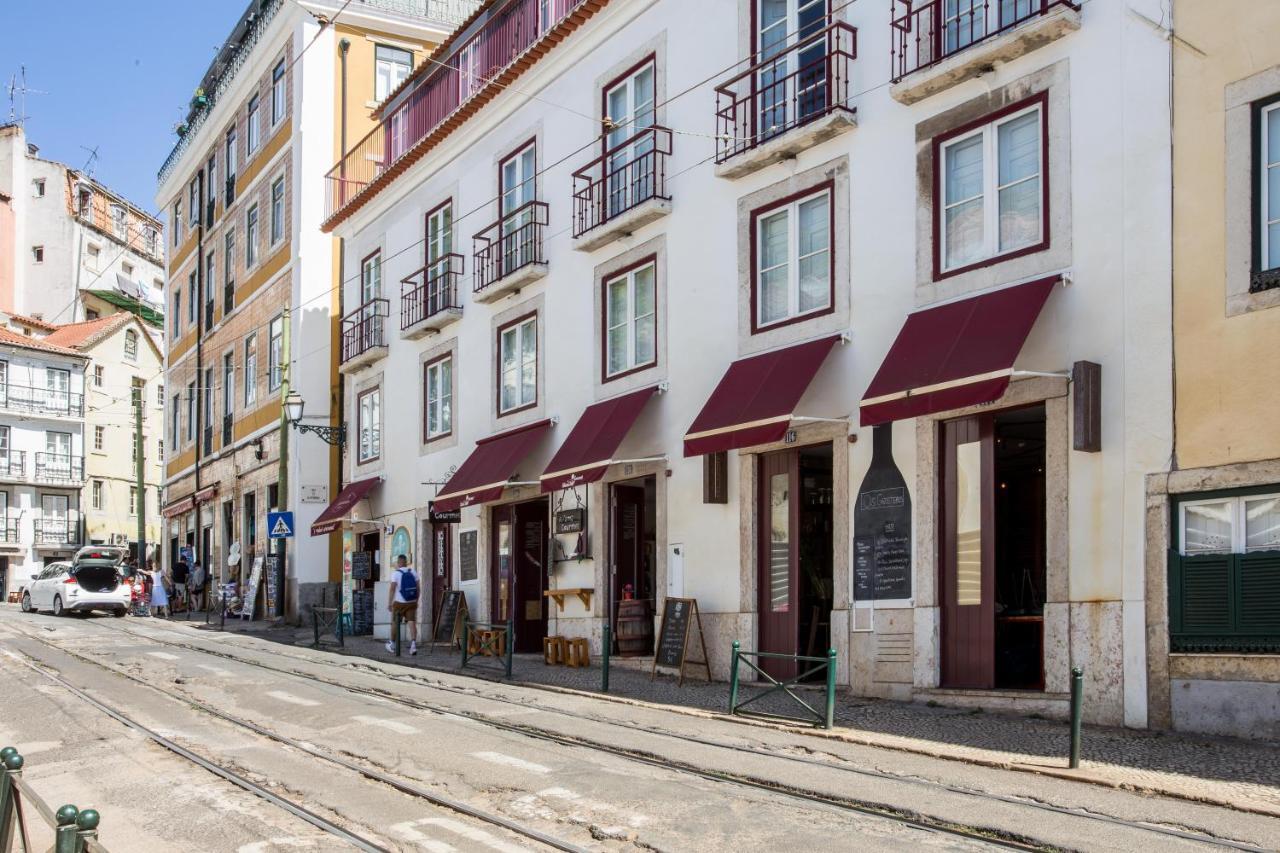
510, 244
809, 714
488, 640
792, 86
228, 297
10, 530
59, 468
227, 421
365, 328
13, 464
230, 190
926, 32
56, 531
73, 830
427, 291
623, 177
43, 401
452, 12
439, 93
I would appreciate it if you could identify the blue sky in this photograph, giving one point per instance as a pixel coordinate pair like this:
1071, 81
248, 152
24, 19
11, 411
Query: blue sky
117, 76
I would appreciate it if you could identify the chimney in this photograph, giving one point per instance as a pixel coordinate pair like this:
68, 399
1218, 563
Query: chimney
33, 150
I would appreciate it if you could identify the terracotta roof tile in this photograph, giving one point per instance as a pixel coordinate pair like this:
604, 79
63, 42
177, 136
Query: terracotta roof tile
10, 338
34, 322
81, 335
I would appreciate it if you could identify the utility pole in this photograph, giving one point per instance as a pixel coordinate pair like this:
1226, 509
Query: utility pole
282, 481
140, 506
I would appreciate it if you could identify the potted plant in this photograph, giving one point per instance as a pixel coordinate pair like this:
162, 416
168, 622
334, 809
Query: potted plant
180, 128
199, 99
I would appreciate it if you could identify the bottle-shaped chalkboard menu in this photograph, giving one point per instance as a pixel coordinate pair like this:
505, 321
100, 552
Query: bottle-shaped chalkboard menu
882, 526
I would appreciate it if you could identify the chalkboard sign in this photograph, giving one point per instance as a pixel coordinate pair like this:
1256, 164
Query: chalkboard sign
882, 527
251, 590
273, 585
362, 565
571, 520
467, 540
362, 612
678, 617
448, 628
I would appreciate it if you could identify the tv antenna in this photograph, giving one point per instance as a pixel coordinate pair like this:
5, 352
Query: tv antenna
93, 155
18, 91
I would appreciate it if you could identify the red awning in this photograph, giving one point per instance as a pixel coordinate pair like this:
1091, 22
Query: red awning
178, 507
589, 449
335, 513
954, 355
207, 494
485, 473
756, 399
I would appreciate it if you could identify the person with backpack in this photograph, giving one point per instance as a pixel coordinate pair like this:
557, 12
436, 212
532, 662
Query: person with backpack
403, 603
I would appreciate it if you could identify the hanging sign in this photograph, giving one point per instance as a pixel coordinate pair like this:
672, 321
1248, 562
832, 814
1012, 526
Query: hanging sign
448, 516
571, 520
882, 527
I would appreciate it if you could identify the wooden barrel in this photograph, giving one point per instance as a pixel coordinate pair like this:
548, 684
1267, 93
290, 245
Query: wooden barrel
635, 628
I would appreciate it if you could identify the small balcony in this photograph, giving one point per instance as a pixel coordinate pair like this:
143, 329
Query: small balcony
57, 531
52, 402
10, 534
623, 189
509, 253
364, 335
794, 97
429, 297
230, 191
227, 422
13, 466
59, 469
937, 44
207, 441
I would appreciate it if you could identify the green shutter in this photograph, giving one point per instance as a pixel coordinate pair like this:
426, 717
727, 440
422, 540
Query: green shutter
1258, 583
1206, 594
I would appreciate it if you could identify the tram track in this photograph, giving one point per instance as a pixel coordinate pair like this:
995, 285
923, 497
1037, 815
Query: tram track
1182, 834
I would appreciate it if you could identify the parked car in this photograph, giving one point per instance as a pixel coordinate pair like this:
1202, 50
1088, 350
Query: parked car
91, 581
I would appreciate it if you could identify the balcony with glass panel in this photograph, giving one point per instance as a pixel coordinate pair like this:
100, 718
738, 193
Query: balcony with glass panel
936, 44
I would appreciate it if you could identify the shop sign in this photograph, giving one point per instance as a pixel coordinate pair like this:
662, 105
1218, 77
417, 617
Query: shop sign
571, 520
882, 527
447, 516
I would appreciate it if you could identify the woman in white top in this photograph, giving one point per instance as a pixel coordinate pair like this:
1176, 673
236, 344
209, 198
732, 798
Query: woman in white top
159, 596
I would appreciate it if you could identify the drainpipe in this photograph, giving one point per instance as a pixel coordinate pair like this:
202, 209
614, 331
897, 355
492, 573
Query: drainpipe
338, 406
198, 545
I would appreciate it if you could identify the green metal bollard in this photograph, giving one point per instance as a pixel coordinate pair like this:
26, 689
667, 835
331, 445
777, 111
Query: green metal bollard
733, 678
395, 631
466, 641
831, 688
64, 837
12, 762
87, 822
511, 643
1077, 708
604, 661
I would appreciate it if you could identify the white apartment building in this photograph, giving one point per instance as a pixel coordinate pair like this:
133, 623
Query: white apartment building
848, 320
41, 455
79, 250
246, 260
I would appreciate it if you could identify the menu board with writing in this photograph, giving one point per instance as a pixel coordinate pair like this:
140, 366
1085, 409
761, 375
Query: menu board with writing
362, 565
679, 615
251, 589
273, 585
467, 541
446, 623
882, 527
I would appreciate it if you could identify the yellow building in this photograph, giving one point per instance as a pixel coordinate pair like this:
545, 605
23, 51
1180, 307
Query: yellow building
1213, 520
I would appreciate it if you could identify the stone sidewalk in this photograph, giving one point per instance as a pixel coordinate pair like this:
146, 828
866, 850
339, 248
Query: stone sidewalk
1234, 773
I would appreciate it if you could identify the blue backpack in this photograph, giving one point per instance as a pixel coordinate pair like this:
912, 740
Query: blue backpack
408, 585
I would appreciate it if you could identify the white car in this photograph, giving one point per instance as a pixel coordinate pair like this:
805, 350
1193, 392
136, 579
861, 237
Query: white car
91, 581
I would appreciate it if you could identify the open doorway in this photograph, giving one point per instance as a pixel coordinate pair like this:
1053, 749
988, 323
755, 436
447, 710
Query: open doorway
796, 559
633, 580
993, 550
519, 567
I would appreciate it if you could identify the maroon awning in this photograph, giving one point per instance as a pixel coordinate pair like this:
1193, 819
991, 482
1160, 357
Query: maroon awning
180, 506
756, 399
334, 514
954, 355
485, 473
589, 449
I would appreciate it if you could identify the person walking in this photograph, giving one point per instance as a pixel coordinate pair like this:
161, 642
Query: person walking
159, 595
196, 587
181, 573
403, 603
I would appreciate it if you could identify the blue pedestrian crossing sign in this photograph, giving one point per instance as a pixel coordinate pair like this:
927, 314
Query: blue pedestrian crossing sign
280, 525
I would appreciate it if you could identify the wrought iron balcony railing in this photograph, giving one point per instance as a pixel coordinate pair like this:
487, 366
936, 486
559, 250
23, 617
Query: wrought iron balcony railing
230, 190
441, 92
227, 422
365, 328
59, 468
623, 177
10, 531
789, 85
925, 32
13, 464
41, 401
428, 291
511, 243
57, 530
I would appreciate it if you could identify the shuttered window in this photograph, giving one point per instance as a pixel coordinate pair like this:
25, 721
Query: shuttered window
1224, 574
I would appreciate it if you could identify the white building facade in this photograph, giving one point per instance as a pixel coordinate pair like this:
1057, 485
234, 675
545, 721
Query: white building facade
859, 354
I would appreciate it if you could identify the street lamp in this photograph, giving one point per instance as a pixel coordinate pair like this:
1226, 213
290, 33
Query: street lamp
293, 408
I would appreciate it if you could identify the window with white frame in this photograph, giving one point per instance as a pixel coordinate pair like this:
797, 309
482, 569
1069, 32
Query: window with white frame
230, 158
193, 300
175, 422
277, 211
793, 259
119, 222
390, 68
130, 345
98, 374
1268, 183
275, 354
133, 500
211, 173
176, 329
97, 494
37, 187
518, 361
151, 241
399, 132
438, 380
85, 204
99, 437
228, 383
371, 278
250, 369
175, 222
630, 320
193, 213
253, 132
992, 187
1231, 525
160, 394
369, 427
277, 93
251, 237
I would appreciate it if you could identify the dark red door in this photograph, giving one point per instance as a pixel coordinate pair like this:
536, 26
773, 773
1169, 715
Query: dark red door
967, 553
778, 562
520, 571
627, 541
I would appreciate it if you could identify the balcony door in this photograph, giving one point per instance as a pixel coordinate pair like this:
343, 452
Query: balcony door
629, 105
4, 451
439, 247
58, 389
791, 85
517, 180
55, 518
57, 448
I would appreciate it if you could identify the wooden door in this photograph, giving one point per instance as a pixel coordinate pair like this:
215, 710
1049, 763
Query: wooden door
530, 575
500, 564
778, 562
967, 553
